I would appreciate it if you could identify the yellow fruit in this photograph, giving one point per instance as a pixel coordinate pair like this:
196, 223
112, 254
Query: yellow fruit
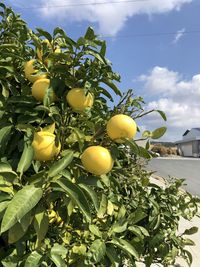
50, 128
44, 146
77, 99
97, 160
30, 71
39, 89
51, 214
121, 126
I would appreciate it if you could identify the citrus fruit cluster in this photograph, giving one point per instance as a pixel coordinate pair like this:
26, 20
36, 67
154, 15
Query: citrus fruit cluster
95, 159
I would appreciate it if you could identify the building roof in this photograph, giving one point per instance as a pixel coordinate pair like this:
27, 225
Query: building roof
188, 130
186, 139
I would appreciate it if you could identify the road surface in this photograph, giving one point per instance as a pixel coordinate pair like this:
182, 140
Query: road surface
187, 168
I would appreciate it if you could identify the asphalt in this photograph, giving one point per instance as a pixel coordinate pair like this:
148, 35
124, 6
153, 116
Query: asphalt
186, 168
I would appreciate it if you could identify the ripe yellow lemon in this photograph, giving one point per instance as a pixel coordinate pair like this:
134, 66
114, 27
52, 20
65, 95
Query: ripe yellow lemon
77, 99
121, 126
44, 146
97, 160
39, 89
30, 71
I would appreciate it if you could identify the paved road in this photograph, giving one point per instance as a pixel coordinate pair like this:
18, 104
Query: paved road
187, 168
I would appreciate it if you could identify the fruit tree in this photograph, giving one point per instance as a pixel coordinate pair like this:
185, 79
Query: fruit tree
73, 188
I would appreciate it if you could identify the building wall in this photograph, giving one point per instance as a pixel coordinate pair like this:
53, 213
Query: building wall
186, 149
189, 149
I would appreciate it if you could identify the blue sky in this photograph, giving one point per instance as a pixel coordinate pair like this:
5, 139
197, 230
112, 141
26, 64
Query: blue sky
164, 69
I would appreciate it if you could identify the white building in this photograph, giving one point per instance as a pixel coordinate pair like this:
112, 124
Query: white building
189, 146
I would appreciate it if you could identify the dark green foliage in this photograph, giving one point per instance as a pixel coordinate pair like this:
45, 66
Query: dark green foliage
55, 213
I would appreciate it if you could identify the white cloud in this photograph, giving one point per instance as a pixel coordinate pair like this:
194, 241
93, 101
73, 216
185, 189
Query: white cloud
160, 80
178, 35
177, 97
109, 17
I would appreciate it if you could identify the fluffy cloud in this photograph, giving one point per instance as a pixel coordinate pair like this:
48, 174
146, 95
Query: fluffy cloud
177, 97
110, 17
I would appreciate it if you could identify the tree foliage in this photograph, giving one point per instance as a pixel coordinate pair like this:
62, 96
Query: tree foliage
55, 213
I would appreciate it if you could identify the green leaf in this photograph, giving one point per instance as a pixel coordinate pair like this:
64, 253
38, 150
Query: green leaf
162, 114
26, 158
144, 153
58, 31
41, 224
92, 194
121, 212
188, 242
2, 5
49, 97
125, 246
191, 231
90, 35
97, 251
147, 146
4, 137
103, 49
33, 259
133, 146
144, 231
105, 179
59, 262
95, 230
61, 164
146, 134
4, 197
137, 216
113, 255
10, 261
80, 250
95, 54
19, 229
7, 172
110, 208
158, 132
106, 93
139, 232
45, 34
110, 84
3, 205
189, 256
22, 202
76, 195
56, 254
119, 227
103, 206
90, 180
70, 208
59, 250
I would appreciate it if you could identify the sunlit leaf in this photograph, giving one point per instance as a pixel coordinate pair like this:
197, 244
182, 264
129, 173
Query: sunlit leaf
22, 202
61, 164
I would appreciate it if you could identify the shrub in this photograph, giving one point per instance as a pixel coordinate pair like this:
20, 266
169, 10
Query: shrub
54, 212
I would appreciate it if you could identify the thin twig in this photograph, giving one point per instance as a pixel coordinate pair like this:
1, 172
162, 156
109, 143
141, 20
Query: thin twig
143, 114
